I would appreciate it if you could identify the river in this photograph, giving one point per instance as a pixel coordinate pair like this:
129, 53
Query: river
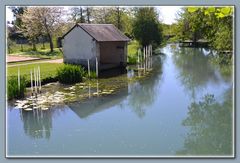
182, 108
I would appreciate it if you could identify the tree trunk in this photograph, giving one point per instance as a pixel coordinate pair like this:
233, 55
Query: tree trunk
81, 16
118, 18
51, 42
88, 15
21, 46
34, 45
43, 43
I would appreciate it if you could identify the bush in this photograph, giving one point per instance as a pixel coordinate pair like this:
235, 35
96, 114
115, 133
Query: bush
132, 59
93, 75
69, 74
12, 87
133, 52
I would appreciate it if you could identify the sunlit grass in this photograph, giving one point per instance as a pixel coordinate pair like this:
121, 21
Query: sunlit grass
48, 70
41, 54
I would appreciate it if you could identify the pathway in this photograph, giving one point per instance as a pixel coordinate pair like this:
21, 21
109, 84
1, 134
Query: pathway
20, 58
42, 61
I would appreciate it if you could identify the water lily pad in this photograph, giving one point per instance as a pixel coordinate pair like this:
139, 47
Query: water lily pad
28, 109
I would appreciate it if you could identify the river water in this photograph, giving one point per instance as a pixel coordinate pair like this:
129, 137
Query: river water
182, 108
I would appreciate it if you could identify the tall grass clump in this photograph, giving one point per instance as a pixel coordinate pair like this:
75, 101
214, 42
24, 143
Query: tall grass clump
69, 74
93, 75
132, 59
13, 91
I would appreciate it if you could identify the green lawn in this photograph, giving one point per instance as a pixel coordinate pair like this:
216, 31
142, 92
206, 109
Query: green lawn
42, 54
16, 48
48, 70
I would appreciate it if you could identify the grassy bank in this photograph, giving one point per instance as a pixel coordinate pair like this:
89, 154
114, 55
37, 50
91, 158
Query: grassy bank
48, 71
13, 89
70, 74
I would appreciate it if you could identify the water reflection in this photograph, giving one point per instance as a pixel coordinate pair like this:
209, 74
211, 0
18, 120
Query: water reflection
89, 107
37, 124
195, 69
210, 125
140, 94
143, 93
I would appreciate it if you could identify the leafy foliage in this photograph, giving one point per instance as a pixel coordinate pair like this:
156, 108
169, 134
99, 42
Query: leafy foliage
146, 27
69, 74
17, 13
121, 17
132, 52
219, 12
213, 24
13, 91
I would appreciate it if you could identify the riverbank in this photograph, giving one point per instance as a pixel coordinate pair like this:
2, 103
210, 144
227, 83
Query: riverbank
166, 102
56, 93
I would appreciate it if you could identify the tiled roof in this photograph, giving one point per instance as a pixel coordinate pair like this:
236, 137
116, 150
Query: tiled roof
103, 32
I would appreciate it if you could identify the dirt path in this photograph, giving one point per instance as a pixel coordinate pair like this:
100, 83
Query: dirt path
20, 59
43, 61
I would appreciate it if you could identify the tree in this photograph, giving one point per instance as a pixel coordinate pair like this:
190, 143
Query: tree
119, 16
88, 14
211, 23
191, 26
81, 14
14, 32
31, 27
41, 20
17, 12
77, 14
100, 15
219, 20
146, 27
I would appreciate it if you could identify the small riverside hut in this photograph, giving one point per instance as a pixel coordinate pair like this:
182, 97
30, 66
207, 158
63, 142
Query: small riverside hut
103, 43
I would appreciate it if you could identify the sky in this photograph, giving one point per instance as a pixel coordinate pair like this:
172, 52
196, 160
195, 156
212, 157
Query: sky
167, 14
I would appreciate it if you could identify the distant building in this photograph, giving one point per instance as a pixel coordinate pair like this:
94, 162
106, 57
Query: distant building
90, 41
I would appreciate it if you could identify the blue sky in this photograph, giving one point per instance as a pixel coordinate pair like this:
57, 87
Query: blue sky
167, 13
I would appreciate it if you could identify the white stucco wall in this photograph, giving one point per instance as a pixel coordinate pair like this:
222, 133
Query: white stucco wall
79, 46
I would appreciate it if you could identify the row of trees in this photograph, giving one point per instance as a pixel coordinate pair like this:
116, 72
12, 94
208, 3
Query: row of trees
51, 22
121, 17
213, 24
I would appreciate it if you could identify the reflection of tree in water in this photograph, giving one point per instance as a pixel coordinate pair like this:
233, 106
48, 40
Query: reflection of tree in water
194, 68
210, 125
142, 93
38, 123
